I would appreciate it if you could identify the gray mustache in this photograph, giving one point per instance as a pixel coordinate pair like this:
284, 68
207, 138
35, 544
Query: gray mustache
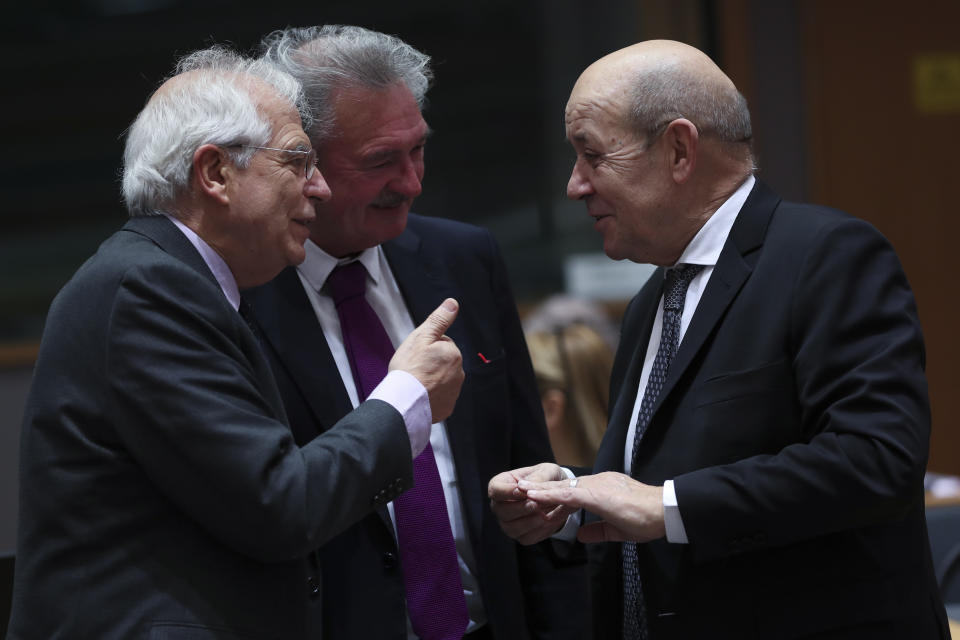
389, 200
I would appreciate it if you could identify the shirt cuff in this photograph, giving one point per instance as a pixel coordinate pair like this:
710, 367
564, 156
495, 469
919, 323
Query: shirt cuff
569, 531
404, 393
676, 532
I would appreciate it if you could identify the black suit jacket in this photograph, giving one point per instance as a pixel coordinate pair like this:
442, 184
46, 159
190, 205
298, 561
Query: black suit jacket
795, 423
161, 492
497, 425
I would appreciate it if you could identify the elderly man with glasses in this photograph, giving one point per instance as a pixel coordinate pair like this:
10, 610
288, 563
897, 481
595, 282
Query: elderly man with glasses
162, 493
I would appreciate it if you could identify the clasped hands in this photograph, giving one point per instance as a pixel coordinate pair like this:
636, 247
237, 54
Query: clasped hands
533, 503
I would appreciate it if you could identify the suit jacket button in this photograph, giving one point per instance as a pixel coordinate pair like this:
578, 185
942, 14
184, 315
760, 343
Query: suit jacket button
389, 560
313, 587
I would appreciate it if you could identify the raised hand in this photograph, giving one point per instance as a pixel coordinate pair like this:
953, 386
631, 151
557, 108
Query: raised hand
434, 359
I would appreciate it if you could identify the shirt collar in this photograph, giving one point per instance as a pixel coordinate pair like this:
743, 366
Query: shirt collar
706, 246
216, 264
319, 264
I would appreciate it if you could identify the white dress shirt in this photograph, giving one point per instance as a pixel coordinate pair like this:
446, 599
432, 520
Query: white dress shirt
383, 295
704, 250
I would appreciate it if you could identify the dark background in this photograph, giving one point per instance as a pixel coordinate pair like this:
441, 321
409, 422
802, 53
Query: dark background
77, 73
840, 118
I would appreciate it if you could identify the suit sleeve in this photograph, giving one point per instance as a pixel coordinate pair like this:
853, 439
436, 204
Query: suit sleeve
857, 359
198, 411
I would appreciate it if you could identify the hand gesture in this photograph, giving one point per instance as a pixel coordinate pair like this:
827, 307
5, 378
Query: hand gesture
524, 520
630, 510
434, 359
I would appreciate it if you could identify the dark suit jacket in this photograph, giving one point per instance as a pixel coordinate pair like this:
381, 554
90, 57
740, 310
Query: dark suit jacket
795, 423
497, 425
161, 492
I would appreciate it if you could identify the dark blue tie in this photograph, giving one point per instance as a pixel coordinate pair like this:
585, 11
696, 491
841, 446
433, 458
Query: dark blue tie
675, 292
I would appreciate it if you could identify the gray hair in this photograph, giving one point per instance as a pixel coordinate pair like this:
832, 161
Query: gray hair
668, 91
332, 57
219, 106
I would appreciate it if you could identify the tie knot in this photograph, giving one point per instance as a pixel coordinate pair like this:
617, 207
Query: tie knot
347, 281
677, 281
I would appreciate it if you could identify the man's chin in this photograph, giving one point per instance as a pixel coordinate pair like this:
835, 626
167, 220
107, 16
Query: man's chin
295, 257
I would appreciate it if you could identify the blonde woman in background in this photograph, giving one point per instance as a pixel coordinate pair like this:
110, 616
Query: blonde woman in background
572, 365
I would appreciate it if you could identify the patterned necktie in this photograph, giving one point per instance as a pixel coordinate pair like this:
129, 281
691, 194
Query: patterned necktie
428, 554
675, 292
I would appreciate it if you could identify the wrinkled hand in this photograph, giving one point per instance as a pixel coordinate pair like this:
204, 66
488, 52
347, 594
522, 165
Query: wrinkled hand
434, 359
524, 520
630, 510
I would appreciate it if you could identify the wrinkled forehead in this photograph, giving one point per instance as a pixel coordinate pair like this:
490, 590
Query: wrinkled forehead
602, 87
594, 111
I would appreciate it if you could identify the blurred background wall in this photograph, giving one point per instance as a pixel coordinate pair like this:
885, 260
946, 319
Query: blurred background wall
856, 104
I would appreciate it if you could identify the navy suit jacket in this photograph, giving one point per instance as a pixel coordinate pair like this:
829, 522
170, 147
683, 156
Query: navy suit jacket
162, 494
795, 423
497, 425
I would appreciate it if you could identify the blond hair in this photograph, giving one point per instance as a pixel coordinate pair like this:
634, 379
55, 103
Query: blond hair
576, 360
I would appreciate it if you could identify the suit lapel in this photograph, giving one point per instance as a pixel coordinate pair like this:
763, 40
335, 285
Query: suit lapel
290, 326
733, 268
424, 285
169, 238
421, 282
635, 335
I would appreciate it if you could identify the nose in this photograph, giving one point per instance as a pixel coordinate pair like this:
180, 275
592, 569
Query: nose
578, 186
408, 183
317, 188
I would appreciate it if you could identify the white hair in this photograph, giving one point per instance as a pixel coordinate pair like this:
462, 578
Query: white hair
216, 105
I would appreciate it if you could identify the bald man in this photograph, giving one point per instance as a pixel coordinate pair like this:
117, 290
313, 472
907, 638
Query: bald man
761, 475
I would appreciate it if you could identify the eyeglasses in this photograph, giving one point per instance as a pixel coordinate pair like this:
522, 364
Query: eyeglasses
309, 157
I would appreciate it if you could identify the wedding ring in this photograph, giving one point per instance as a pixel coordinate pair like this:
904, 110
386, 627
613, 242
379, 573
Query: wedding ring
574, 481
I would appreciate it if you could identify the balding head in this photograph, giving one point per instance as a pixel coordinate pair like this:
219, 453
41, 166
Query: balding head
662, 139
658, 81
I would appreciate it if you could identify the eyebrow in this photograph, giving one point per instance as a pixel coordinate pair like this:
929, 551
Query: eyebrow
380, 156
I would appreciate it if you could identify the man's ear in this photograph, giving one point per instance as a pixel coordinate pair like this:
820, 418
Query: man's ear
212, 170
682, 139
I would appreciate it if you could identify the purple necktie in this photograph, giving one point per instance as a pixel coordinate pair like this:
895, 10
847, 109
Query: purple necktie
428, 555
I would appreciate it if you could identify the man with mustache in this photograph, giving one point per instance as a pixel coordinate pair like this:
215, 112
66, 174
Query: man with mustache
366, 90
761, 475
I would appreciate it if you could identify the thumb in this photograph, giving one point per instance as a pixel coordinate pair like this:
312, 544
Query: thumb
440, 320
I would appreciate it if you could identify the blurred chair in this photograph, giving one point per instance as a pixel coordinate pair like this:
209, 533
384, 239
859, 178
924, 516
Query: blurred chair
6, 591
948, 576
943, 525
